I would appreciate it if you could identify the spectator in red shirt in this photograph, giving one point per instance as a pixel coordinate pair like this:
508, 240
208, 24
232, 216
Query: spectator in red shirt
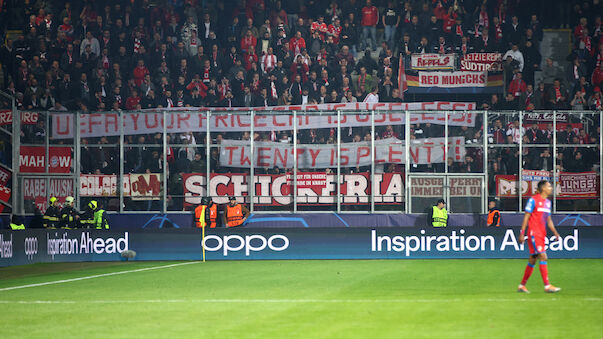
196, 83
370, 19
517, 86
297, 43
335, 30
300, 68
250, 58
133, 101
248, 40
140, 72
319, 26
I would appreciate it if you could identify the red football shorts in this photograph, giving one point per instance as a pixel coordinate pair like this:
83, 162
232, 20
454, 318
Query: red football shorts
536, 244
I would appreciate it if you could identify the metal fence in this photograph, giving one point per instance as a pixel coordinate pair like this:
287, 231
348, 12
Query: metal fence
307, 161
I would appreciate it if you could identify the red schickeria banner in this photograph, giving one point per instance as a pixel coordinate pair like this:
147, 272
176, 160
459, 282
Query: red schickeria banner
32, 159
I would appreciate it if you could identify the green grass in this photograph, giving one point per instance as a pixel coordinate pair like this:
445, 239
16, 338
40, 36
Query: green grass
304, 299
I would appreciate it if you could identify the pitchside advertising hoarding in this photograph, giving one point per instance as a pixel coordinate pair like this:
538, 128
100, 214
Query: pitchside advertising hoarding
17, 248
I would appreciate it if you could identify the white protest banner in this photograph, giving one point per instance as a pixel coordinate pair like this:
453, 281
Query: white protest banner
453, 79
188, 120
236, 153
434, 187
146, 186
92, 185
274, 190
432, 61
480, 62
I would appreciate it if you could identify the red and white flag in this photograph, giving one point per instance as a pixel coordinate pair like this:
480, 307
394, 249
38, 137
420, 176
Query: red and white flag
402, 85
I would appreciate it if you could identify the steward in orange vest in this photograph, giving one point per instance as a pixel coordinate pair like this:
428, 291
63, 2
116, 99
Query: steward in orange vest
493, 214
206, 213
235, 214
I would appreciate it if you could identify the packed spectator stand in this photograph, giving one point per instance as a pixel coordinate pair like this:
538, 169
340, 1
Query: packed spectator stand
111, 56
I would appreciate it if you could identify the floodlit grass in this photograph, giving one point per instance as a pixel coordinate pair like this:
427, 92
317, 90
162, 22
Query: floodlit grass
303, 299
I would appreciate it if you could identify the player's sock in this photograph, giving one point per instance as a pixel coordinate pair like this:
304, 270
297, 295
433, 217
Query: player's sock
544, 271
527, 273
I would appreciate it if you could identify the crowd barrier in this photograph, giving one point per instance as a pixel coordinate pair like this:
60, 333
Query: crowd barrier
33, 246
135, 221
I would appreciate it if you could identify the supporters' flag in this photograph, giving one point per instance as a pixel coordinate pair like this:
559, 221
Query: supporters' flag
402, 77
4, 194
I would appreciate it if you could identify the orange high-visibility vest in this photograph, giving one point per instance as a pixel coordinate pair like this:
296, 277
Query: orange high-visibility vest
213, 215
234, 215
491, 218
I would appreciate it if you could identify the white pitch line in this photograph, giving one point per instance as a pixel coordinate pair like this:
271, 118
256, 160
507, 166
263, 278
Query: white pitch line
285, 301
96, 276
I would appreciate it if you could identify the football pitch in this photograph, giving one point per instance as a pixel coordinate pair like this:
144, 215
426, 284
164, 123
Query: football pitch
301, 299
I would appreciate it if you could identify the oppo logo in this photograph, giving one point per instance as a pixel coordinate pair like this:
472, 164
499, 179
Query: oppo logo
31, 247
250, 243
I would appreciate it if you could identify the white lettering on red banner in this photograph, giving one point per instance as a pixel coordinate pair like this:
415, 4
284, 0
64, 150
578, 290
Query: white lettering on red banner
237, 153
36, 190
27, 118
32, 159
5, 176
432, 61
452, 79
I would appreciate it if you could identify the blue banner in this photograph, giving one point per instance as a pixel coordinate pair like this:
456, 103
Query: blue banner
31, 246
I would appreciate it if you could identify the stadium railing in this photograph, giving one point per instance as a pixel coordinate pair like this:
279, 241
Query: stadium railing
160, 160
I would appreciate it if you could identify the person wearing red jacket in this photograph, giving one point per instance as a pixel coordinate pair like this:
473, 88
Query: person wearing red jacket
319, 26
199, 85
250, 58
297, 43
140, 72
517, 86
335, 30
370, 20
133, 102
300, 68
248, 40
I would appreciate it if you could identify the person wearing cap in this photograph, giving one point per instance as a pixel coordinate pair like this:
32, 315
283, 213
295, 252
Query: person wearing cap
69, 215
439, 214
206, 213
493, 214
87, 217
234, 213
52, 214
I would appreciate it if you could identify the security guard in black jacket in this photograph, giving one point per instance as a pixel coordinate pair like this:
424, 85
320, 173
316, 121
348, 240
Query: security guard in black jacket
69, 215
87, 218
52, 214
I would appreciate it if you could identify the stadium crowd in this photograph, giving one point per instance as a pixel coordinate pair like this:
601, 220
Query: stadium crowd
110, 55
